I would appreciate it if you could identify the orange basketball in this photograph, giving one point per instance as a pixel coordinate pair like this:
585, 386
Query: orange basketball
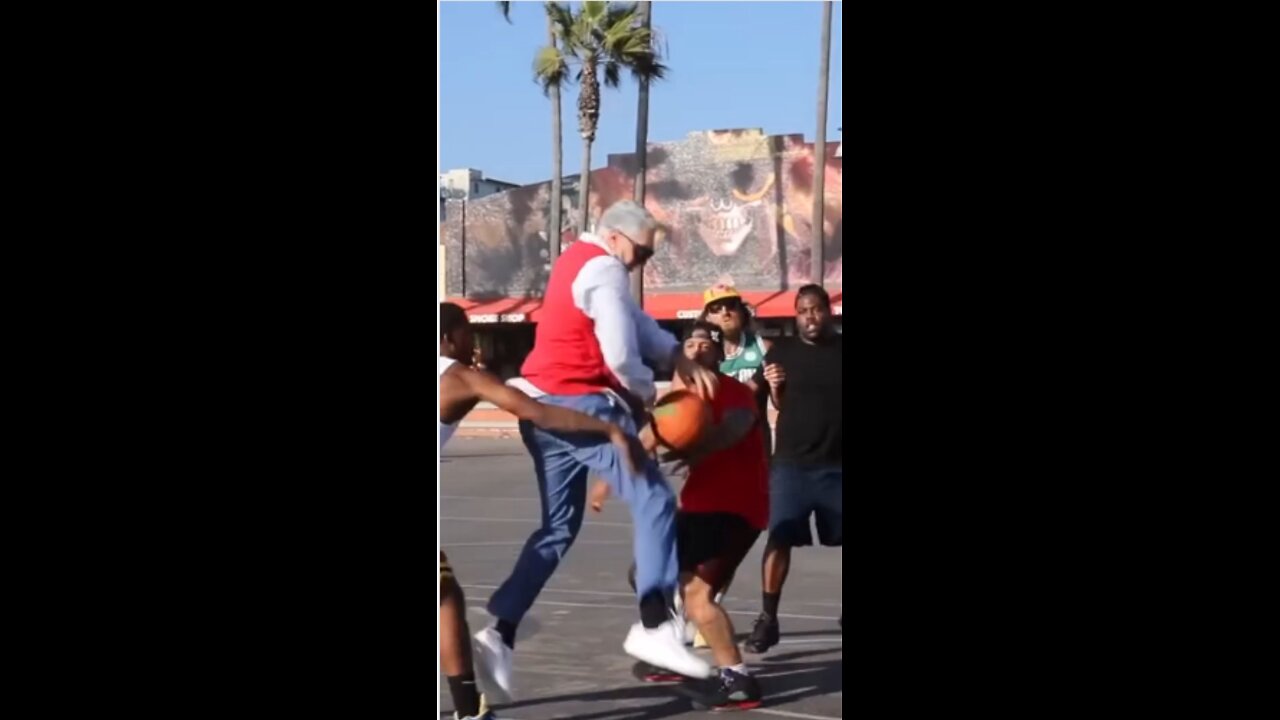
680, 418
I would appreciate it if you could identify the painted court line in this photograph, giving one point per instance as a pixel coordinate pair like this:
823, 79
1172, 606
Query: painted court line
798, 716
502, 499
567, 592
619, 594
821, 640
747, 613
530, 521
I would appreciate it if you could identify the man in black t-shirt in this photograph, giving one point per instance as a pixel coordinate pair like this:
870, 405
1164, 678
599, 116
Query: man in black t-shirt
806, 383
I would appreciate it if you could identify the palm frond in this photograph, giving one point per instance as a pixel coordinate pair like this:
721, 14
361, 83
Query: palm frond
505, 9
609, 35
621, 15
612, 74
650, 70
594, 11
561, 18
550, 68
584, 33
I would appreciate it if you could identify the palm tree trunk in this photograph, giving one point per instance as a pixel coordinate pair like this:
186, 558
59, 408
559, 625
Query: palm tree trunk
557, 163
584, 187
642, 150
588, 120
818, 268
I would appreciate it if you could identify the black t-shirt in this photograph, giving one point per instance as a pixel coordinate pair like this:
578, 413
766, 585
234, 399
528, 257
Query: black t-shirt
811, 421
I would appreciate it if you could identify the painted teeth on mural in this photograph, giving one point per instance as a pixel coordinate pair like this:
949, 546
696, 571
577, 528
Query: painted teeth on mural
725, 226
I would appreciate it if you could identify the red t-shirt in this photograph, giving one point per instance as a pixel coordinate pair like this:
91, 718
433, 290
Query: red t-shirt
736, 479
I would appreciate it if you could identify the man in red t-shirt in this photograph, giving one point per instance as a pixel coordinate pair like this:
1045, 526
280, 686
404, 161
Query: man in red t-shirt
724, 507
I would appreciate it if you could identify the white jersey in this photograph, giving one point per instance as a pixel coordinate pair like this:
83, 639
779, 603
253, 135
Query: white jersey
446, 431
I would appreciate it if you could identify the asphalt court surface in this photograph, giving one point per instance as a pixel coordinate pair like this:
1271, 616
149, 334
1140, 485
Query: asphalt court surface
569, 661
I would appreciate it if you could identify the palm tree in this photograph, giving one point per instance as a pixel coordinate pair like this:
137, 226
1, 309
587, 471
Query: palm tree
601, 39
818, 268
551, 87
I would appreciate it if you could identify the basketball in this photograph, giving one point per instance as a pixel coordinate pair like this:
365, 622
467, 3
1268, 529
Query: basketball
680, 418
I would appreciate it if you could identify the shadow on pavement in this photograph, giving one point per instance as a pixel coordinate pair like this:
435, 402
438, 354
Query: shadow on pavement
783, 683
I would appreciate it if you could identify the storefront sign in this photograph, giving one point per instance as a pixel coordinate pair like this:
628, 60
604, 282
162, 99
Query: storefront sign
493, 319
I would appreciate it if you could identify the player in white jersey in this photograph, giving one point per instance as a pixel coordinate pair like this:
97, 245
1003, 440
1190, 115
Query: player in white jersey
461, 389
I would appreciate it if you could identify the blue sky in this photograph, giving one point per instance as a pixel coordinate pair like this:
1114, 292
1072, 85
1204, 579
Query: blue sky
734, 65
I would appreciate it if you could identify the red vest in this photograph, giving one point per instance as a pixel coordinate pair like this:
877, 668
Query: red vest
566, 357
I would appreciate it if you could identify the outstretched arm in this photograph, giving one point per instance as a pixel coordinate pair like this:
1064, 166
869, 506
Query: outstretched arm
549, 417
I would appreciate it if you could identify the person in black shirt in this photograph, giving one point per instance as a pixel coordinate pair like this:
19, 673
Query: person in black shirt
805, 377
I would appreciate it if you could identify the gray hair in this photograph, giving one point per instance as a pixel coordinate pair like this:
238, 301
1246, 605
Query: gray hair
629, 218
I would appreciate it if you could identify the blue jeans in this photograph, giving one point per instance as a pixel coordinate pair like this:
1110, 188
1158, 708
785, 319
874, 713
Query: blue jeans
563, 464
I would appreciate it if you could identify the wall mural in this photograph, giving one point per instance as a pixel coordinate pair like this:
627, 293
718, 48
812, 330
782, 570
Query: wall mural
736, 205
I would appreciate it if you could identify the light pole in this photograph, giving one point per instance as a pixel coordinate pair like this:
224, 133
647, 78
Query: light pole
818, 266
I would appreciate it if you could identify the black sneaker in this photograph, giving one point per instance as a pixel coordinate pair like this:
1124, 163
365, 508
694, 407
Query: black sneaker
484, 714
736, 692
763, 636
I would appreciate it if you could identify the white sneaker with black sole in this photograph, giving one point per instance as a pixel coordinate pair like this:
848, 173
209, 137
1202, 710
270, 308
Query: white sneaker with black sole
664, 647
493, 665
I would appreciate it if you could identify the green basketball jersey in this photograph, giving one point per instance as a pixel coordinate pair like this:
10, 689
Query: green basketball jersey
744, 365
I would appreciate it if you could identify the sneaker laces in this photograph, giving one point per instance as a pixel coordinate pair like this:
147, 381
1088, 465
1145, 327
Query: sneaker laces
762, 624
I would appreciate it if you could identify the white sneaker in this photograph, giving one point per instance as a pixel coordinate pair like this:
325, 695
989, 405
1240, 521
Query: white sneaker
664, 647
493, 665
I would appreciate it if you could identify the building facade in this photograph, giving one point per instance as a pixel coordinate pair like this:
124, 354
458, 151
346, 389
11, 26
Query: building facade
736, 206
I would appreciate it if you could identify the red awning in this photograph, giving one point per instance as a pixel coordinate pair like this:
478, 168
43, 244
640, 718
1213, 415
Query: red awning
663, 306
687, 306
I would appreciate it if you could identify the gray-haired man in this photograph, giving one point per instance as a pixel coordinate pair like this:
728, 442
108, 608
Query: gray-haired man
588, 355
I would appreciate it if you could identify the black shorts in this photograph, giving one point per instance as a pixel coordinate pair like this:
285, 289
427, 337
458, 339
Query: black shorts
713, 545
795, 494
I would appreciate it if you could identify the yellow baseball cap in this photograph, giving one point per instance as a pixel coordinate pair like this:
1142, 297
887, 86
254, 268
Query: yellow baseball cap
719, 292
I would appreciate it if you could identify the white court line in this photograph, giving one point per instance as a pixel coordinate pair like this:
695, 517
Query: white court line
569, 592
799, 716
477, 497
531, 520
763, 711
820, 640
555, 603
619, 594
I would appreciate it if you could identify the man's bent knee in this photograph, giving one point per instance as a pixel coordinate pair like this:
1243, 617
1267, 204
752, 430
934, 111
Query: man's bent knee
558, 538
699, 601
